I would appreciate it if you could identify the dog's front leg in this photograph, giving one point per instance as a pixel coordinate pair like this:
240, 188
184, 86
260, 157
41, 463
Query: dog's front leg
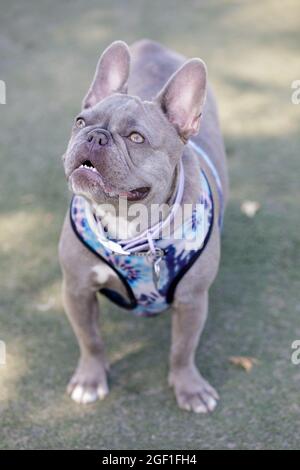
192, 391
89, 381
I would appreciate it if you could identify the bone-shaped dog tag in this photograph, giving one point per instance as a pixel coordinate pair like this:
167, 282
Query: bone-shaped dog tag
155, 258
156, 271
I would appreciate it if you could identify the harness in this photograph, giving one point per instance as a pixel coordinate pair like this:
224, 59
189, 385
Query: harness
151, 265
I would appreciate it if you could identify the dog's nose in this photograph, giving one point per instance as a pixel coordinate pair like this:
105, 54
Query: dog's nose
99, 137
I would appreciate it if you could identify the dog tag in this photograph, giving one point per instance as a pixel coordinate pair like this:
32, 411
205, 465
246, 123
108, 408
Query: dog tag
156, 271
155, 259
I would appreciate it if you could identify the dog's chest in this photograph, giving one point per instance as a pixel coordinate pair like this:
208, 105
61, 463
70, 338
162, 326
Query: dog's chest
147, 293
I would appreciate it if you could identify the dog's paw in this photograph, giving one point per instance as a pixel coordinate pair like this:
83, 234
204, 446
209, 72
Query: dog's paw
89, 382
193, 393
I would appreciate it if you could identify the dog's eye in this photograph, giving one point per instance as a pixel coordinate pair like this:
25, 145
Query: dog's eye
80, 123
136, 138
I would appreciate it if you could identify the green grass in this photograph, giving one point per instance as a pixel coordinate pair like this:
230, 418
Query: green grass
48, 53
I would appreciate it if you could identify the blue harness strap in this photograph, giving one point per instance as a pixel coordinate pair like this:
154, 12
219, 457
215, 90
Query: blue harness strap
180, 251
215, 174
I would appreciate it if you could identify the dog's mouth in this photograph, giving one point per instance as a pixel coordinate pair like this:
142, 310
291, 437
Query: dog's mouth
87, 164
88, 170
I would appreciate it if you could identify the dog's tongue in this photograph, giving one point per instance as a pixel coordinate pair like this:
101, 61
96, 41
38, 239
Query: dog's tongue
135, 194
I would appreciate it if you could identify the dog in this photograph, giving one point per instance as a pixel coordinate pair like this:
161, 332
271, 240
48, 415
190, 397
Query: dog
148, 133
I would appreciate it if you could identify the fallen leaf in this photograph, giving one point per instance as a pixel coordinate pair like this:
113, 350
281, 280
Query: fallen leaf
243, 361
250, 208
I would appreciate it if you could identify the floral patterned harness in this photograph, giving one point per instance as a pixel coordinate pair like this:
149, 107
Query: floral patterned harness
179, 252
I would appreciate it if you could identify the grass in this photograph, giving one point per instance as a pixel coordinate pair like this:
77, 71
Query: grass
48, 53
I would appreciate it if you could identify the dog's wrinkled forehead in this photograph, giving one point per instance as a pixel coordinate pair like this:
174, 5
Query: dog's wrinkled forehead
124, 113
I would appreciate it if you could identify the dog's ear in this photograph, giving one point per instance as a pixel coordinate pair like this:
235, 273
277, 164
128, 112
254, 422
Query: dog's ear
183, 96
111, 74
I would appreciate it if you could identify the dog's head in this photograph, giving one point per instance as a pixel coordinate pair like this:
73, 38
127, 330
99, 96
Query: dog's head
122, 146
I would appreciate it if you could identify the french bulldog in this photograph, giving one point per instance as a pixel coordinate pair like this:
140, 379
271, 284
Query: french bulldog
129, 140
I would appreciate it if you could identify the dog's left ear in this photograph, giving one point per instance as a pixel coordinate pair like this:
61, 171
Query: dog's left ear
111, 74
183, 96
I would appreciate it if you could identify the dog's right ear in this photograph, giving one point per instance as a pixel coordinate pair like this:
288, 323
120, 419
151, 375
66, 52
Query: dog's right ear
182, 98
111, 74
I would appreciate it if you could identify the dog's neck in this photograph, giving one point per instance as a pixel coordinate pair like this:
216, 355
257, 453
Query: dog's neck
126, 223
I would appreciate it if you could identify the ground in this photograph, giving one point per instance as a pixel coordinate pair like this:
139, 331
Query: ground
48, 53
